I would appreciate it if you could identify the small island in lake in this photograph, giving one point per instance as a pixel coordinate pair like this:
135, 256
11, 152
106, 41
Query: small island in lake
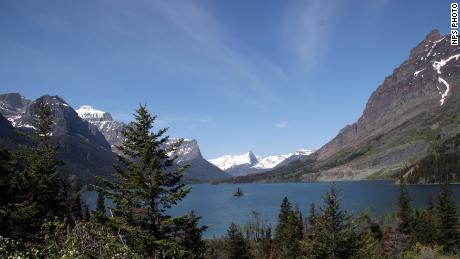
238, 192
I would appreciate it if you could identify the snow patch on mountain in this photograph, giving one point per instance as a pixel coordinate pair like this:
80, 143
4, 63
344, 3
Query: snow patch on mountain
89, 113
437, 65
227, 162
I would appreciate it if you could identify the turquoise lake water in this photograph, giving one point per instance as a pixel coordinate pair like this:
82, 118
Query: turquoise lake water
218, 207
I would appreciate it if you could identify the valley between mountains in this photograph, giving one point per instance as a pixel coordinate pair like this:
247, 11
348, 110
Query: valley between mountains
410, 122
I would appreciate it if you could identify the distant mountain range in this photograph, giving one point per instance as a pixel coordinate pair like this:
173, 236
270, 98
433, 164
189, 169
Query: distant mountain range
84, 150
87, 137
248, 163
414, 110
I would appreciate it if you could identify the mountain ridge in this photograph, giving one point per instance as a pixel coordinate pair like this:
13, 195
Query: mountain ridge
249, 163
414, 108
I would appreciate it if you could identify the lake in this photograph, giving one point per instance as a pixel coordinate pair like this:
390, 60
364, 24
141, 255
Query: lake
218, 207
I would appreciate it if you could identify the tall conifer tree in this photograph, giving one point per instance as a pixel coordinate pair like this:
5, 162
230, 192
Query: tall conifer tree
146, 186
447, 220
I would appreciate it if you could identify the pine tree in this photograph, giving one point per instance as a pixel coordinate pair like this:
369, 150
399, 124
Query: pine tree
145, 188
405, 211
447, 220
191, 238
288, 231
424, 225
43, 163
281, 242
312, 216
77, 209
334, 235
9, 191
237, 247
100, 212
100, 204
38, 195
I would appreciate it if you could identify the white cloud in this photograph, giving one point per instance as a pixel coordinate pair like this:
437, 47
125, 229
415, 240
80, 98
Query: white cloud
282, 124
308, 27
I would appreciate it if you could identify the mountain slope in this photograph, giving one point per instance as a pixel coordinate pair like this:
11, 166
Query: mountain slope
83, 148
413, 109
200, 170
111, 129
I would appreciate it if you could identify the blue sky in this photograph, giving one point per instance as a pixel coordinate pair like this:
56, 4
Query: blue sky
267, 76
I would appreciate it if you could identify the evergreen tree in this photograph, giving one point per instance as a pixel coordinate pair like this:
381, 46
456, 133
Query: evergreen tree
288, 231
447, 220
42, 165
36, 194
258, 235
312, 216
99, 213
405, 211
334, 235
86, 213
281, 242
237, 246
9, 190
145, 188
424, 225
100, 204
77, 209
191, 238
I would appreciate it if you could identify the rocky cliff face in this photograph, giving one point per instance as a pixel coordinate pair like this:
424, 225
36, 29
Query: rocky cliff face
415, 107
414, 88
188, 150
82, 147
111, 129
421, 87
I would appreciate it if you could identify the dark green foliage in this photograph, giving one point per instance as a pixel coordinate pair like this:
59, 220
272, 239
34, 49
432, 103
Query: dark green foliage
191, 237
338, 235
405, 210
9, 187
443, 164
237, 247
145, 188
288, 232
32, 183
312, 216
447, 220
100, 205
424, 225
77, 209
332, 235
259, 236
100, 212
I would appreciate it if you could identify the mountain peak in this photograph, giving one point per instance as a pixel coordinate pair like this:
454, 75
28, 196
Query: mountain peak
433, 35
87, 112
250, 163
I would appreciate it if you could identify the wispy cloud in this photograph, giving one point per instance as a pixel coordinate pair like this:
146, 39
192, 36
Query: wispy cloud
229, 59
282, 124
308, 27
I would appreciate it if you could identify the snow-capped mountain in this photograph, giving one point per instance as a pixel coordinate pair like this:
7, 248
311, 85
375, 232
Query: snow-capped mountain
188, 153
111, 129
248, 163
